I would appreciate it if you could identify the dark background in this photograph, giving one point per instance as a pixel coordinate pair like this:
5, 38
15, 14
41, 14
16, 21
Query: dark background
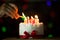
46, 15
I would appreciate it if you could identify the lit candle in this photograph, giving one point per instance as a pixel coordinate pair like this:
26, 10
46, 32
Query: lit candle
25, 21
36, 19
32, 21
28, 19
23, 15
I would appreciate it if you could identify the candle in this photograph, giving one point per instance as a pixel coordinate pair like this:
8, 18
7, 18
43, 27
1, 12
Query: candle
36, 19
23, 15
25, 21
32, 21
28, 19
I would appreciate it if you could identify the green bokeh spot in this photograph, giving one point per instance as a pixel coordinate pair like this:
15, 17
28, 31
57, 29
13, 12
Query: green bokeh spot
50, 36
50, 25
3, 29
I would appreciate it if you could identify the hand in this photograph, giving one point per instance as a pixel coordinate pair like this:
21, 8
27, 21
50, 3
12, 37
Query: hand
10, 10
2, 10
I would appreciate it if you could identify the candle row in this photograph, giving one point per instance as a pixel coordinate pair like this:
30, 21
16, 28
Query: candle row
32, 20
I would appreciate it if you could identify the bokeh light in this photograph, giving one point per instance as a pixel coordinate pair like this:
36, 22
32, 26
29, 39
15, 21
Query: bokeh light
48, 3
4, 29
50, 36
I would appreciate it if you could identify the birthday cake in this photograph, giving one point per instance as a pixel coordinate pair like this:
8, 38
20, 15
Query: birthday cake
31, 24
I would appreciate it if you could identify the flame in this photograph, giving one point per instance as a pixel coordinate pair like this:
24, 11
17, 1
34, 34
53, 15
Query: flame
32, 17
23, 15
27, 17
36, 16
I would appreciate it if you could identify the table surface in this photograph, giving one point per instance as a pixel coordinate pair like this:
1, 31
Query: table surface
31, 39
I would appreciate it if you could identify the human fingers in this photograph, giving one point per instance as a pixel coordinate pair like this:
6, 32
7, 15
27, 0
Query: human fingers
2, 10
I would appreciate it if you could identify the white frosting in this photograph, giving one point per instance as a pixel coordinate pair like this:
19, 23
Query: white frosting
29, 28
